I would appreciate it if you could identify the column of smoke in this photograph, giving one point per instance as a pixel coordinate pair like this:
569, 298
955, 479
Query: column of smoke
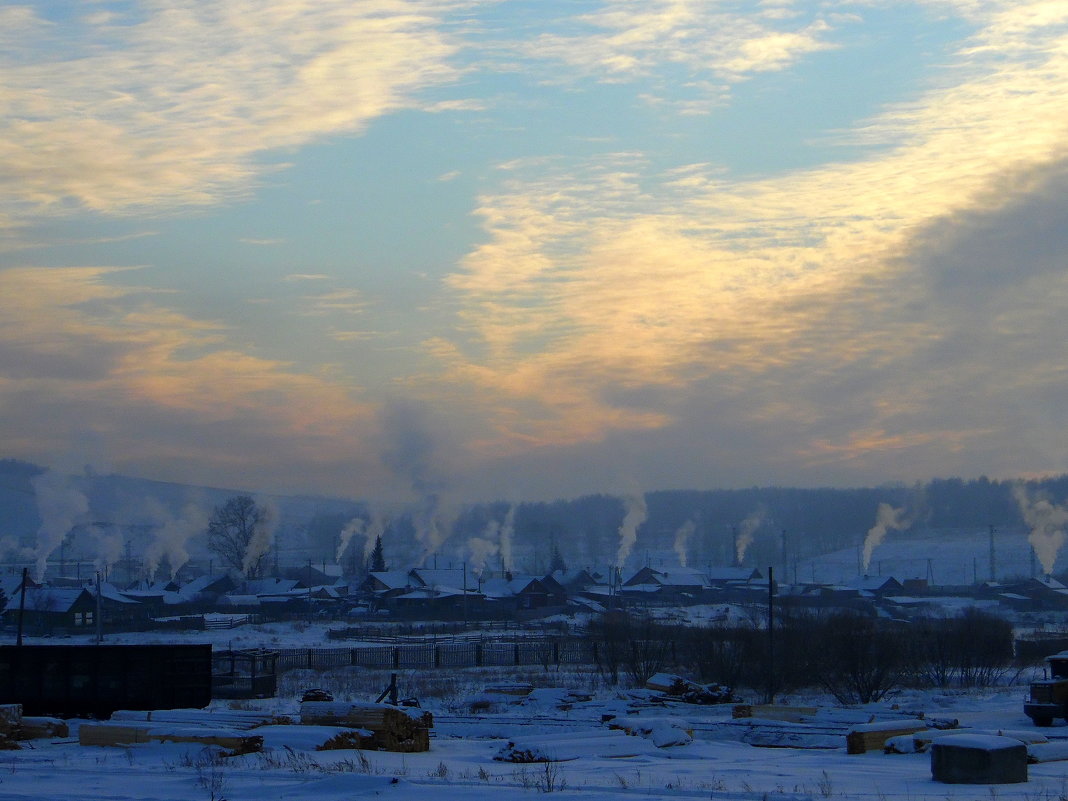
60, 505
107, 545
1047, 522
353, 528
262, 536
887, 518
172, 535
504, 536
746, 533
633, 516
481, 549
408, 454
682, 537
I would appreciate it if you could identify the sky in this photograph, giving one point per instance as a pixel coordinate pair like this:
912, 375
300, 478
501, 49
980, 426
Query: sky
534, 248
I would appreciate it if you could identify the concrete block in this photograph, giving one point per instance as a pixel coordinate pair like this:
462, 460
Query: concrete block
978, 759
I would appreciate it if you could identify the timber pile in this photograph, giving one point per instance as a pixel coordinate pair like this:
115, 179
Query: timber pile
132, 733
873, 736
227, 718
376, 727
13, 726
690, 692
36, 728
791, 714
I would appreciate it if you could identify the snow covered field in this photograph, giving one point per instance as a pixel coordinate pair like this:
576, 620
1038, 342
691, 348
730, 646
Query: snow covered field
591, 760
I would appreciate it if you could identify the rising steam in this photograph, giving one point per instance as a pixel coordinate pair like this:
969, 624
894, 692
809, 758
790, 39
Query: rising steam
172, 535
1047, 522
505, 537
354, 527
262, 538
481, 549
747, 532
887, 518
60, 506
409, 454
634, 515
682, 537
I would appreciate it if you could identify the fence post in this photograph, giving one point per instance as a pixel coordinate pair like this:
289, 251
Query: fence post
515, 653
556, 652
437, 656
309, 659
352, 657
396, 657
478, 654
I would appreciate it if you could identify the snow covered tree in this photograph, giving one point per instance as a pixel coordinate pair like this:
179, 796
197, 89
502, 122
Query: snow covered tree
239, 534
377, 561
556, 560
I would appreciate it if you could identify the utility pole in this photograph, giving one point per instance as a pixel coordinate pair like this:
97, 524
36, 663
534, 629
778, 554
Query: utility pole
99, 618
993, 563
22, 604
771, 636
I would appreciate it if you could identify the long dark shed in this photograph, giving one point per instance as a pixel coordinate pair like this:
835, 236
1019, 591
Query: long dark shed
96, 680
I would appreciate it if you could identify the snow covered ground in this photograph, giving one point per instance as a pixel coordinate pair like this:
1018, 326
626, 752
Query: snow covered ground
591, 760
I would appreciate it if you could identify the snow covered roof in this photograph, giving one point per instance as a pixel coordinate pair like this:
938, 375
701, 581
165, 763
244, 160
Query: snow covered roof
52, 599
269, 586
392, 579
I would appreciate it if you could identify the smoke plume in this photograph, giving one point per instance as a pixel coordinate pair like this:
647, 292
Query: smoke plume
682, 537
747, 532
481, 549
633, 517
107, 544
262, 537
409, 453
505, 538
355, 526
60, 505
887, 518
172, 536
1047, 522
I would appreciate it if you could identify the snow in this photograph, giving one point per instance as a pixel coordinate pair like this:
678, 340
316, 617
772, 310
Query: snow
605, 743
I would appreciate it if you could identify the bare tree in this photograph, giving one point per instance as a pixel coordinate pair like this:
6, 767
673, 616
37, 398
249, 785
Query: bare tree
238, 534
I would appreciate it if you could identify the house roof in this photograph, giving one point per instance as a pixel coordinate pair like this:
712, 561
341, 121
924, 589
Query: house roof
53, 599
392, 579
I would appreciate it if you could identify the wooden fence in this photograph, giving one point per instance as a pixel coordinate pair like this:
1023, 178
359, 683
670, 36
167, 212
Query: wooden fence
457, 654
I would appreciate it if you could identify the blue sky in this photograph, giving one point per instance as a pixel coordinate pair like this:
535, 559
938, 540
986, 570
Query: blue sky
562, 247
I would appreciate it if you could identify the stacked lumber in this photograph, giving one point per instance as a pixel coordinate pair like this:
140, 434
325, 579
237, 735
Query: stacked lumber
377, 727
35, 728
228, 718
873, 736
132, 733
10, 721
679, 689
792, 714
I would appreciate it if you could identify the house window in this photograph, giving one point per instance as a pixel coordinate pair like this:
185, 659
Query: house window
83, 618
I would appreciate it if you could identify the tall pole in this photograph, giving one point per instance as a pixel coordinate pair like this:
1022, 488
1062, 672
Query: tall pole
22, 604
993, 564
99, 619
771, 636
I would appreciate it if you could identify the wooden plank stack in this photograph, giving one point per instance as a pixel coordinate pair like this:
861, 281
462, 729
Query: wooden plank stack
873, 736
378, 727
132, 733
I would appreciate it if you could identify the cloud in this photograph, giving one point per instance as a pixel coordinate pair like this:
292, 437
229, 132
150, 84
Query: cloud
608, 294
628, 39
263, 242
174, 104
84, 353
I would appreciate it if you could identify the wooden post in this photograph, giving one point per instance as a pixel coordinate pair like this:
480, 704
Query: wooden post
22, 605
771, 637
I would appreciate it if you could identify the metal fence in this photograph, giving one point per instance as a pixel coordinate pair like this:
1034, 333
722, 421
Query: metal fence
457, 654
